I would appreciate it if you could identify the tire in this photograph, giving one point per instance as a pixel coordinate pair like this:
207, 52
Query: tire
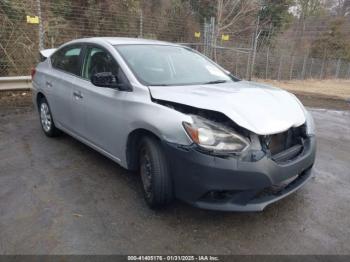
155, 174
46, 120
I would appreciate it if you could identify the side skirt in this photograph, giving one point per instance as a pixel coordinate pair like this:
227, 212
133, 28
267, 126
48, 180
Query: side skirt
95, 147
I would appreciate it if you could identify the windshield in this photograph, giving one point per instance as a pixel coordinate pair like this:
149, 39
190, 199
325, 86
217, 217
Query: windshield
170, 65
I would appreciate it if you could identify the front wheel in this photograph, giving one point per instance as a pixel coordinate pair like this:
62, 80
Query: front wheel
155, 174
46, 121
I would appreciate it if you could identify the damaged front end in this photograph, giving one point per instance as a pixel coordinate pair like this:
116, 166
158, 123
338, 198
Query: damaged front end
279, 147
258, 170
285, 146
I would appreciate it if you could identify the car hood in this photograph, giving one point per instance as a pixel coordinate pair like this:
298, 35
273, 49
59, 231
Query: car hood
257, 107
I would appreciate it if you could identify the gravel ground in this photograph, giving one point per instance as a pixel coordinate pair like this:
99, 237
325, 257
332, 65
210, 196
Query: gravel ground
60, 197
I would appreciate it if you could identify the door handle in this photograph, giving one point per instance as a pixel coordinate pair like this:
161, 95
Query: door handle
77, 95
48, 84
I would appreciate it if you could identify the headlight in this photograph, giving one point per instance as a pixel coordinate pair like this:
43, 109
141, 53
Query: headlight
213, 136
310, 124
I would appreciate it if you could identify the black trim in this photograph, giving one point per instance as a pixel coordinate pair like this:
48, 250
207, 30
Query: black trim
196, 174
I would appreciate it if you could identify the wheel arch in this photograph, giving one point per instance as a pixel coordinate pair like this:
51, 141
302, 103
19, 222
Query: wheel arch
39, 96
132, 146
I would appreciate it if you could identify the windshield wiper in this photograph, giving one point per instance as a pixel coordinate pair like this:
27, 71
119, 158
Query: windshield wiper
160, 85
215, 82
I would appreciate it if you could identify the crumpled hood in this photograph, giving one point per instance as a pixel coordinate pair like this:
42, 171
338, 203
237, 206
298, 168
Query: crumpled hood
259, 108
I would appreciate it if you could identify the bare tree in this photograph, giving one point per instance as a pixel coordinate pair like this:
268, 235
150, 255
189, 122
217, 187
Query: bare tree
236, 17
305, 9
341, 7
230, 13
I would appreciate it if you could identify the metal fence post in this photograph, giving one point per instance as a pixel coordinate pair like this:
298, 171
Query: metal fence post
249, 58
205, 37
304, 67
312, 62
267, 62
256, 36
41, 28
236, 69
338, 68
279, 69
291, 68
212, 38
141, 24
248, 66
322, 67
208, 38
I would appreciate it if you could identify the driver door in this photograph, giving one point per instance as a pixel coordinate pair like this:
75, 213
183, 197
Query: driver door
103, 106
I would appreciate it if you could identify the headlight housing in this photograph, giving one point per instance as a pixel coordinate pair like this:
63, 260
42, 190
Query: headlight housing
212, 136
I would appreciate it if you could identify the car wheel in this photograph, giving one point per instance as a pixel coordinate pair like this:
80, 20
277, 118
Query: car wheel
155, 174
46, 119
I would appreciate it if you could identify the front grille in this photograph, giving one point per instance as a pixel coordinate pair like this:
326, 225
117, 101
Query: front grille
286, 145
288, 154
278, 143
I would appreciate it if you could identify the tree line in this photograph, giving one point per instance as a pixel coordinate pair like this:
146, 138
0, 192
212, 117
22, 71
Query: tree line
320, 28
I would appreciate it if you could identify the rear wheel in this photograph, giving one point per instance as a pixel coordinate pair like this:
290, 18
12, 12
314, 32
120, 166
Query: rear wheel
155, 174
46, 120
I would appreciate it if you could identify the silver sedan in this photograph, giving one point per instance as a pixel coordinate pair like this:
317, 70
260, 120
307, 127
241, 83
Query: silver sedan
193, 130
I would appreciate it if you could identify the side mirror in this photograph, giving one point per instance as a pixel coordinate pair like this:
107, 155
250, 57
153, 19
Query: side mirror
104, 79
108, 80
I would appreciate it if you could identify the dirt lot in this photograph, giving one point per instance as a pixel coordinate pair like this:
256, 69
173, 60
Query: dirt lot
327, 87
60, 197
15, 101
334, 94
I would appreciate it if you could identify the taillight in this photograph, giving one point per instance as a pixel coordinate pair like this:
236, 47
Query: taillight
32, 73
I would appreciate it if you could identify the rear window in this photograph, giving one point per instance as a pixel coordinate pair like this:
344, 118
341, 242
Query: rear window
68, 59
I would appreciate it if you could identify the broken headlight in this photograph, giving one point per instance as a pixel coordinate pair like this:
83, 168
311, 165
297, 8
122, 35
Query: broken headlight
212, 136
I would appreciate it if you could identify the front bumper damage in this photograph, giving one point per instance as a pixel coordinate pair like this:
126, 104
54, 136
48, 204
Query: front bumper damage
233, 184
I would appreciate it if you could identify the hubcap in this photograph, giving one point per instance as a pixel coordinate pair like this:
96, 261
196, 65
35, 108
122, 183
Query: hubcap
146, 174
45, 117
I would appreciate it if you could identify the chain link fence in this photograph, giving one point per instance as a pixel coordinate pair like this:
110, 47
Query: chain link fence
288, 67
61, 21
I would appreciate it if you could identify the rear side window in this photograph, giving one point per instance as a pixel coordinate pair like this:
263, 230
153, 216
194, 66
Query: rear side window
68, 59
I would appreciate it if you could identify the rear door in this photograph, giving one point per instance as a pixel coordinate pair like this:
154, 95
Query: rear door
64, 83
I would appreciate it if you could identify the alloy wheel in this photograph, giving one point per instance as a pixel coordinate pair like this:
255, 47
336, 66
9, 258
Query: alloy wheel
45, 117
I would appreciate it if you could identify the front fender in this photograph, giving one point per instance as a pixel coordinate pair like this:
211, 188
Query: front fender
164, 122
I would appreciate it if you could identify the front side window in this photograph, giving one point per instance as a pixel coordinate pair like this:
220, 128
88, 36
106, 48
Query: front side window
98, 60
170, 65
68, 59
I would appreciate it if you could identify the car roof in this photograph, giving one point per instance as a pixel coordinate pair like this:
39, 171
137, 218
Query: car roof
122, 41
